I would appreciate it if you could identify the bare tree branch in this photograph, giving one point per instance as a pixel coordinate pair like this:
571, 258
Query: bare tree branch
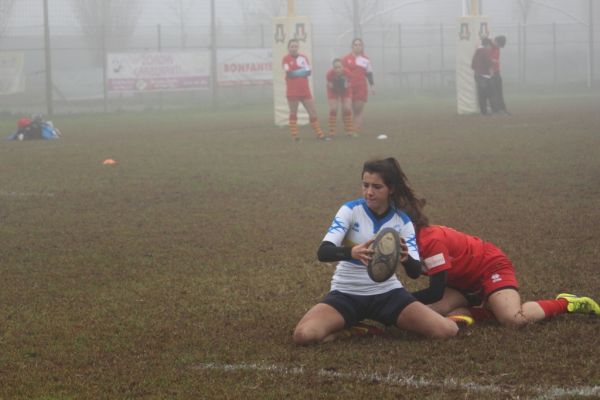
366, 10
6, 7
263, 11
524, 7
182, 11
115, 19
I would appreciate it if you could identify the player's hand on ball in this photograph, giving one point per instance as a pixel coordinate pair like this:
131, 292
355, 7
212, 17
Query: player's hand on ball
363, 252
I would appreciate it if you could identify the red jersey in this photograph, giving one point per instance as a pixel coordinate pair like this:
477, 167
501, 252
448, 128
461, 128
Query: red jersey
445, 249
358, 66
495, 54
482, 61
296, 86
338, 85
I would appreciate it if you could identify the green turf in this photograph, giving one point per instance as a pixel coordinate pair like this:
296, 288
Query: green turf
181, 271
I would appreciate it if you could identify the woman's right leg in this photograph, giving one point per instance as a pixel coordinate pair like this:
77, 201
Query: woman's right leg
320, 324
347, 116
333, 111
419, 318
451, 300
357, 110
293, 119
311, 109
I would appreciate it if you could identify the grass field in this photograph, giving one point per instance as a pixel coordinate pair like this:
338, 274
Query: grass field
180, 272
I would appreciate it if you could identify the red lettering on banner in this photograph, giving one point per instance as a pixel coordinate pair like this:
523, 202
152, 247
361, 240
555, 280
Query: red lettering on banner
248, 67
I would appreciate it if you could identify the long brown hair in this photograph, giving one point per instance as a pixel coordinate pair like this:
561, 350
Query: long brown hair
403, 196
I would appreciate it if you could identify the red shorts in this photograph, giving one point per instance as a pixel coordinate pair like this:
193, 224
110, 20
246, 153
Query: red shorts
299, 98
499, 272
331, 95
298, 90
360, 92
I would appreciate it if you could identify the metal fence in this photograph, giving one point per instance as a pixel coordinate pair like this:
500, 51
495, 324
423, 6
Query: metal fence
407, 59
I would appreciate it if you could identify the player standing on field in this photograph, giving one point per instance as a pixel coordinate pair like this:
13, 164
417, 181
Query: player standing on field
361, 72
497, 97
297, 70
339, 92
482, 69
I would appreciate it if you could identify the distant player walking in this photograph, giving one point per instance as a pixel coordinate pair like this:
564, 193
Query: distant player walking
360, 69
297, 70
339, 92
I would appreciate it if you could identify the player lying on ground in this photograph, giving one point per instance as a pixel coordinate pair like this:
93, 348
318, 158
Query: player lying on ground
465, 271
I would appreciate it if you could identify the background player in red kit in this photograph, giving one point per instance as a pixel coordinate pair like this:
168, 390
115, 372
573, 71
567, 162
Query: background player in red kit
497, 95
360, 69
339, 92
482, 69
297, 70
466, 271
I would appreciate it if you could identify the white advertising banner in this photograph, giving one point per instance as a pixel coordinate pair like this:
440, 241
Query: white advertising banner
148, 72
287, 28
245, 67
470, 31
12, 72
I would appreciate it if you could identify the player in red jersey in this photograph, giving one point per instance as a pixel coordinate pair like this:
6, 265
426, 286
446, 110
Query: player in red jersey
339, 92
360, 69
468, 276
297, 70
465, 271
497, 95
482, 69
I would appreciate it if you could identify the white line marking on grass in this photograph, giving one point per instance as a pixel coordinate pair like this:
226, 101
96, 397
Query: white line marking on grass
4, 193
393, 378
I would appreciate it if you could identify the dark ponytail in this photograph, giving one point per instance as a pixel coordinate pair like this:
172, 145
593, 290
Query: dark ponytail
403, 196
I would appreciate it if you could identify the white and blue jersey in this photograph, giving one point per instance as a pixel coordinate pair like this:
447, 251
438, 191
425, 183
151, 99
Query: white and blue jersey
354, 224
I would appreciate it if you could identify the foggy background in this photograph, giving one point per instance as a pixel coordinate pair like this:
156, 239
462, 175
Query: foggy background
551, 45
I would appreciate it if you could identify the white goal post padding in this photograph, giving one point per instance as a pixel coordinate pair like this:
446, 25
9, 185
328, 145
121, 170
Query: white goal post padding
287, 28
470, 31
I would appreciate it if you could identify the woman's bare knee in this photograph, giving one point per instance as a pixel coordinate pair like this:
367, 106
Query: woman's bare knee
305, 335
447, 331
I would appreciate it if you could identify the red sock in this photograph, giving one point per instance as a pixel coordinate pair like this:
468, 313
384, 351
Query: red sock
553, 307
480, 314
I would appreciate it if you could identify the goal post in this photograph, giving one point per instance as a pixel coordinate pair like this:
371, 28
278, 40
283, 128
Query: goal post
471, 29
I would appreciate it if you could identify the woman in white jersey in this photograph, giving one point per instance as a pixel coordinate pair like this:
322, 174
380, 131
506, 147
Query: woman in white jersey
354, 296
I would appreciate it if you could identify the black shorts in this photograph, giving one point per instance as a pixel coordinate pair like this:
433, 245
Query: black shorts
383, 308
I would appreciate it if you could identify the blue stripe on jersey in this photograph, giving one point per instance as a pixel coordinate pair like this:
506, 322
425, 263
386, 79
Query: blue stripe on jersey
337, 225
405, 218
411, 243
378, 222
354, 203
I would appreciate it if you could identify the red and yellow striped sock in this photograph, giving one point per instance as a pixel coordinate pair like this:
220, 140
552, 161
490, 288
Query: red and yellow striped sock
348, 125
294, 125
314, 122
332, 122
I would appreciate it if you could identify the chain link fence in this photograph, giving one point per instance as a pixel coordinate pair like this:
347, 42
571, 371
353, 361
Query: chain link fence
407, 59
